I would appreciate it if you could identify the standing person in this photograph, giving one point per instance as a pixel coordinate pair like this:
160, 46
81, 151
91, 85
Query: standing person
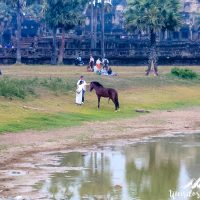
79, 94
81, 85
91, 63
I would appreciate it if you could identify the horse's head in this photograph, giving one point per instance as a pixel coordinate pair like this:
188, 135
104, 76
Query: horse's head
91, 86
95, 85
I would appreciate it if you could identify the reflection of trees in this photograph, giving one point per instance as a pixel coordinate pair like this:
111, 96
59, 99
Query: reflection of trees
72, 159
155, 180
93, 180
152, 170
97, 180
192, 162
60, 185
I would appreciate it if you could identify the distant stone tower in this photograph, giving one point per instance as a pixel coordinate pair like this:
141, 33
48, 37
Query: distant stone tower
190, 10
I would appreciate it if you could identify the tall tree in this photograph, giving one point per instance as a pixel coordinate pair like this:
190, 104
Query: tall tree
18, 7
102, 29
64, 14
92, 23
152, 16
5, 18
104, 6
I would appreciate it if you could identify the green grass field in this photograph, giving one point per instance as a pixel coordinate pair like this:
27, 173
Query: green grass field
44, 95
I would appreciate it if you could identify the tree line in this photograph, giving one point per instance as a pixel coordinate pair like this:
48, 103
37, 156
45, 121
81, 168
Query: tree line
150, 16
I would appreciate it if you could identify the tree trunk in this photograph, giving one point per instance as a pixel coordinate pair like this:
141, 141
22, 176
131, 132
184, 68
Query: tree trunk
92, 24
1, 38
95, 24
54, 52
191, 34
18, 35
62, 48
102, 30
152, 62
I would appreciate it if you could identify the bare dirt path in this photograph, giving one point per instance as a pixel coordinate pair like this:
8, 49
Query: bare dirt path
15, 146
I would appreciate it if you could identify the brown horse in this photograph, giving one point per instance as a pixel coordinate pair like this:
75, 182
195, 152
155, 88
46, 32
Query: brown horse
105, 92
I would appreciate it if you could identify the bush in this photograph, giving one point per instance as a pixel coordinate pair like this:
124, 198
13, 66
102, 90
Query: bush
15, 88
184, 73
10, 87
57, 84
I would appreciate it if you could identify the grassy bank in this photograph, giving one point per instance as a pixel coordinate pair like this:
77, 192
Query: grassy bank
47, 95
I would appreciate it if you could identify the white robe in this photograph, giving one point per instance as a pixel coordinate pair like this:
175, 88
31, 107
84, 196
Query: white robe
79, 94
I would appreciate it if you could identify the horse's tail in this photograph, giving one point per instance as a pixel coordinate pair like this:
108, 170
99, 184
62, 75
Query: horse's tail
108, 100
116, 101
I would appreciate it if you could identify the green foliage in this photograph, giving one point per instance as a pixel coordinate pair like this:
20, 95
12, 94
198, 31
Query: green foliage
184, 73
64, 13
5, 13
152, 14
16, 88
57, 84
10, 88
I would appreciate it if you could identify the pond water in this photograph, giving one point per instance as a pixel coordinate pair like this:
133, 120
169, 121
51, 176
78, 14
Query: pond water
158, 168
155, 169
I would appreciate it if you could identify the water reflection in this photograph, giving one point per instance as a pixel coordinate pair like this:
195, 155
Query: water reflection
143, 171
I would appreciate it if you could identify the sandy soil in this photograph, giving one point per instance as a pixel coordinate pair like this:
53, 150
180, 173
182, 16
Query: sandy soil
15, 147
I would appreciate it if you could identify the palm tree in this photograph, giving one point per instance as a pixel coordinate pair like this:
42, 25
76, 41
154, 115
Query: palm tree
152, 16
102, 29
105, 7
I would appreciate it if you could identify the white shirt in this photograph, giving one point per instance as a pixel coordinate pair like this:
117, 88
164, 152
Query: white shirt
83, 84
98, 62
91, 59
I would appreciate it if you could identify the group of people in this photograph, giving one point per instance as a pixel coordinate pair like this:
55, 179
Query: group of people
101, 67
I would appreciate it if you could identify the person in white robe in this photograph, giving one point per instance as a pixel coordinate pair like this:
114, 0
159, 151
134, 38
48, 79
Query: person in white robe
81, 89
79, 94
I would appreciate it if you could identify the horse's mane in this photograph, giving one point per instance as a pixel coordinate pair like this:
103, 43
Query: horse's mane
97, 84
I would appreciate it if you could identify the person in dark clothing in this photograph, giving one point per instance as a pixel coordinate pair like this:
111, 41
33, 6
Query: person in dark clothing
109, 71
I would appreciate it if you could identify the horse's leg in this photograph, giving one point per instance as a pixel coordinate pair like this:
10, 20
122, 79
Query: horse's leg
99, 101
113, 100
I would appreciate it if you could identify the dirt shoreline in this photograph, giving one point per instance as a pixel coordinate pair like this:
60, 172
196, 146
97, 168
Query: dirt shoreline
15, 146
